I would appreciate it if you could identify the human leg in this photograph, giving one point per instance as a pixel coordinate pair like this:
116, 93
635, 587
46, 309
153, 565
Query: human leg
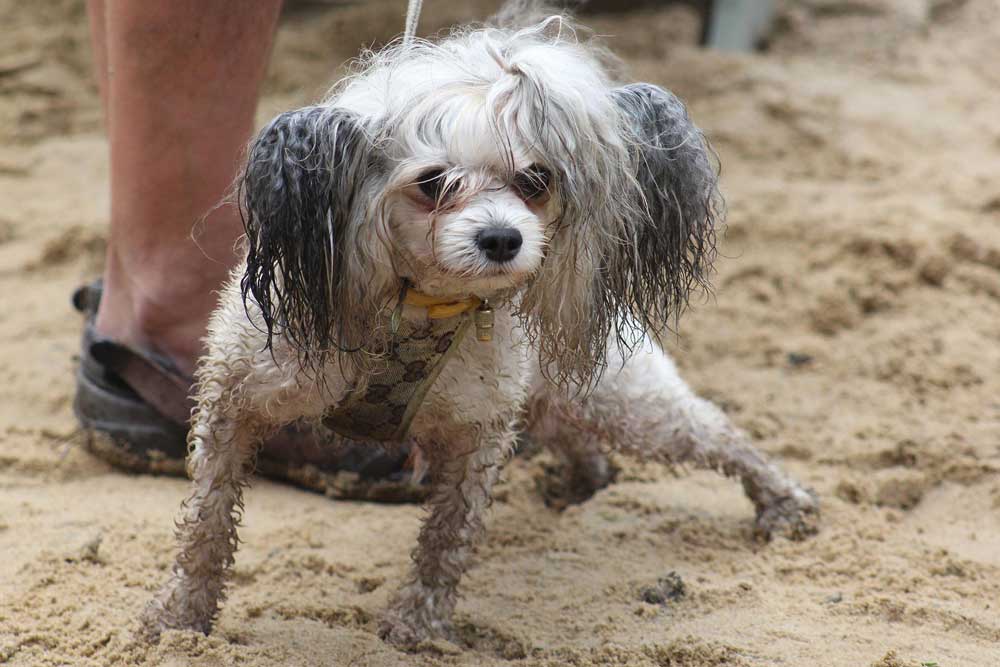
180, 81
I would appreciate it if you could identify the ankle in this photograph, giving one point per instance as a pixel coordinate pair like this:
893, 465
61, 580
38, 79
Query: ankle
159, 318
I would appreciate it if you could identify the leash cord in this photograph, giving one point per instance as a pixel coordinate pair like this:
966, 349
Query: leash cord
412, 17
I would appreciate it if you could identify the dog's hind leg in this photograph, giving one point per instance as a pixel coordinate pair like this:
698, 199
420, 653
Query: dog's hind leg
586, 467
643, 408
463, 475
220, 464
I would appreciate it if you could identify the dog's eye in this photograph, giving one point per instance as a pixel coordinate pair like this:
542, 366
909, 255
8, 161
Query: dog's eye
533, 182
432, 184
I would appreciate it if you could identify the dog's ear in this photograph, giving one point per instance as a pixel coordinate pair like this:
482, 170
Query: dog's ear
669, 250
298, 200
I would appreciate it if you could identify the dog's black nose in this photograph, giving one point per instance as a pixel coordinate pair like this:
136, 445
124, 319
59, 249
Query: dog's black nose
499, 244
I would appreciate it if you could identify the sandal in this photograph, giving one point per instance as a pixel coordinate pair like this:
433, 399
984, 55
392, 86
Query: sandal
135, 405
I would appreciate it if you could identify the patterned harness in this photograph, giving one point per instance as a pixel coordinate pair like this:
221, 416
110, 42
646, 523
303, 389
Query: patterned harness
383, 410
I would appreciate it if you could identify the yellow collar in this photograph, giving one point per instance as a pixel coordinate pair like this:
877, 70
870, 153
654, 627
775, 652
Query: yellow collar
440, 308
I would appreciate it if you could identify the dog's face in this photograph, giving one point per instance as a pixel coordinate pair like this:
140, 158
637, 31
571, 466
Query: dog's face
467, 223
496, 163
474, 229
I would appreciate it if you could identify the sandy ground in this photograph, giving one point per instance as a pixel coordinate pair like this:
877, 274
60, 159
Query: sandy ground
854, 332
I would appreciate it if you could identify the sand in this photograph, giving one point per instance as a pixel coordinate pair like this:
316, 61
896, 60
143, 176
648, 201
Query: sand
853, 332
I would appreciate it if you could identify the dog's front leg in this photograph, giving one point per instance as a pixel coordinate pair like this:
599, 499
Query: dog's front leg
645, 409
222, 448
463, 474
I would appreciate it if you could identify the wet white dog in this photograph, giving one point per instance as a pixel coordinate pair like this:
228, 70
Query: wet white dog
498, 182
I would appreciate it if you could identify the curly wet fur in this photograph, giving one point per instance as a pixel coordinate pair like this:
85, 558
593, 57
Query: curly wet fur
339, 216
298, 198
629, 237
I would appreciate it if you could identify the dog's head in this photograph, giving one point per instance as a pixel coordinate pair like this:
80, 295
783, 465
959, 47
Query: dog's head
498, 163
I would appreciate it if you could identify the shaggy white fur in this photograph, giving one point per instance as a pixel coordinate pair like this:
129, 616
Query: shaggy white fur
502, 163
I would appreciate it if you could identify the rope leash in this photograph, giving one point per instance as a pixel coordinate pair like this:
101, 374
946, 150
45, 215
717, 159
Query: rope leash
412, 18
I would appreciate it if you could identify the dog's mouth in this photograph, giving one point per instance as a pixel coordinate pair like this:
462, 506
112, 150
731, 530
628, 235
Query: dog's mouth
499, 272
447, 283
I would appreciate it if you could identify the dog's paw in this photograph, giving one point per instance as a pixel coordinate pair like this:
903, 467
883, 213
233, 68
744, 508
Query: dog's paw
795, 517
164, 613
149, 631
413, 621
401, 633
152, 623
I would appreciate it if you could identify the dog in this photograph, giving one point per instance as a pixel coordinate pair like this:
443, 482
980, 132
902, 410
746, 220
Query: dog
467, 240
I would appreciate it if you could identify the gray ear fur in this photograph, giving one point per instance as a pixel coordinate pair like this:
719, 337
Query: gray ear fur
297, 199
671, 248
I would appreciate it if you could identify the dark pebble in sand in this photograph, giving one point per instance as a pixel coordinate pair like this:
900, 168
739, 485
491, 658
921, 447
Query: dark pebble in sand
667, 589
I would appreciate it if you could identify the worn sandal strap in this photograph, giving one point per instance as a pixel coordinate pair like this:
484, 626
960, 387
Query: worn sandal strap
152, 377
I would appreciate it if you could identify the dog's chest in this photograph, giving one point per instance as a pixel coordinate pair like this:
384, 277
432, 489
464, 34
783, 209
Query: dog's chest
384, 408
